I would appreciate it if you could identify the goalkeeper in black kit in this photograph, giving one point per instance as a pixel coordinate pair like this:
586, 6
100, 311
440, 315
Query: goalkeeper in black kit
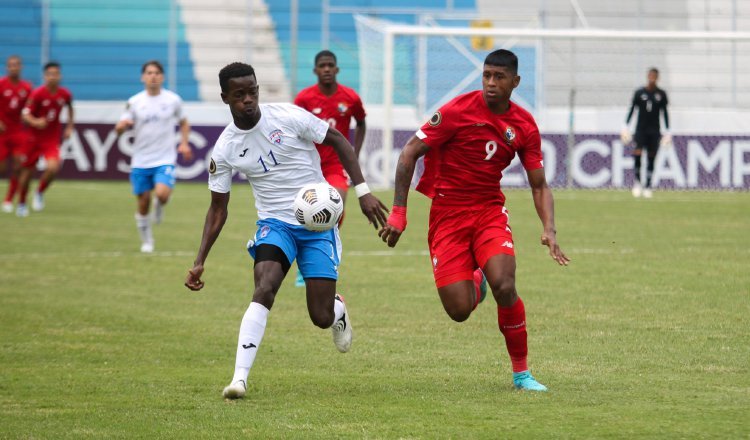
650, 101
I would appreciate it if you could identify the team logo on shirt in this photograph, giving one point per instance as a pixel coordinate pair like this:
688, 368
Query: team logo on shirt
343, 107
264, 231
275, 136
510, 135
212, 166
317, 110
436, 119
8, 93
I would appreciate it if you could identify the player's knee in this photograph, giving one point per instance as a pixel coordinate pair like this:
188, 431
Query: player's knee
458, 312
459, 315
505, 290
322, 318
264, 294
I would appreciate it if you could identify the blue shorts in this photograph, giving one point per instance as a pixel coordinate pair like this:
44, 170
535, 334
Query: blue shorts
145, 179
317, 253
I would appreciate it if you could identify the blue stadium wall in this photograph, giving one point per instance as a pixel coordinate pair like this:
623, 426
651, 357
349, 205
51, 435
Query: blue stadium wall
101, 45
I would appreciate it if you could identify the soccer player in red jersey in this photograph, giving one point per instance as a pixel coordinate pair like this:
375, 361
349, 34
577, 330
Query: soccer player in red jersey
14, 136
466, 145
337, 105
42, 114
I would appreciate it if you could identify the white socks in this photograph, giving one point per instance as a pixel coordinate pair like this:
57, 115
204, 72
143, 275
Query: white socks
251, 333
338, 310
143, 223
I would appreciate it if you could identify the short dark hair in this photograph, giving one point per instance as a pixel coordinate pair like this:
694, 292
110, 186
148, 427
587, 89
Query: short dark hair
234, 70
154, 63
325, 53
503, 58
50, 65
655, 70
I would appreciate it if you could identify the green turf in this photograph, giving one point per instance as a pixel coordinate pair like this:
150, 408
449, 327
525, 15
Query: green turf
645, 335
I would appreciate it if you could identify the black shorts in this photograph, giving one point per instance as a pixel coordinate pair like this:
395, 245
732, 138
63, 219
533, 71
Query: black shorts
648, 141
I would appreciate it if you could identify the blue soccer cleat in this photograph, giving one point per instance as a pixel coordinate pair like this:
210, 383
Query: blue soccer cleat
525, 381
299, 281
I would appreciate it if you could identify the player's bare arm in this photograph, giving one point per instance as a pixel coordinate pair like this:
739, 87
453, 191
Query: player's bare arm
371, 206
359, 136
184, 148
407, 161
122, 126
71, 122
215, 219
545, 208
32, 121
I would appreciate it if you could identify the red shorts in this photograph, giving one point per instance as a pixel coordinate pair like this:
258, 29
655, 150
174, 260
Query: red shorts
462, 239
49, 149
335, 175
16, 142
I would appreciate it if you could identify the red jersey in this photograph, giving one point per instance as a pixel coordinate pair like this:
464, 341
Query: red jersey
470, 147
42, 103
13, 97
337, 109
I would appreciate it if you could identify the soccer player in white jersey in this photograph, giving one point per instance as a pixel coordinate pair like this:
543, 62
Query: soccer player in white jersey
153, 115
273, 145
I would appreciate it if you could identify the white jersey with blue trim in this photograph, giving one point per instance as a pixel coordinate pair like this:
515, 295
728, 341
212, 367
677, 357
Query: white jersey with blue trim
154, 121
278, 157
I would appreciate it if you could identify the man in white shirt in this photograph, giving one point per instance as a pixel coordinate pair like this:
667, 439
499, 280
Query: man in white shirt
153, 115
273, 146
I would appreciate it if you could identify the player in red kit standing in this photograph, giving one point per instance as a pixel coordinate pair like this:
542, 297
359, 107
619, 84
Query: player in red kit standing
14, 136
467, 144
42, 114
337, 105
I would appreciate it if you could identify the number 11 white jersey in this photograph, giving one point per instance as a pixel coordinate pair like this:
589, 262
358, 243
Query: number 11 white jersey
278, 157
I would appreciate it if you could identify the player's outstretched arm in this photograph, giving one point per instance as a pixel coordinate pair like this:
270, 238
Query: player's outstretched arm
371, 206
215, 218
184, 147
407, 161
545, 208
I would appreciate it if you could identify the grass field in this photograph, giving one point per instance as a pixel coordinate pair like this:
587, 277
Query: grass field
645, 335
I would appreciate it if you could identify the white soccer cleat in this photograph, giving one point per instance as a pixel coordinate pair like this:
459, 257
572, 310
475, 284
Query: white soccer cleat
158, 215
636, 191
342, 330
647, 193
235, 390
147, 248
8, 207
37, 204
22, 210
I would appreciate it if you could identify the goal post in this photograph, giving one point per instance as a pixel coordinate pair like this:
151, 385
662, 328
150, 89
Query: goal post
573, 80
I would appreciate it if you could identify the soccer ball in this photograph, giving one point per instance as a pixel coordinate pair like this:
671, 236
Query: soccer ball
318, 206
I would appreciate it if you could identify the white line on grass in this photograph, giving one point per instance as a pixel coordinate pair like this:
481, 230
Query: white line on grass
170, 254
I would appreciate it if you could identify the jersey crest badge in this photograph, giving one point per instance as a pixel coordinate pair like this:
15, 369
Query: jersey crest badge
342, 107
317, 110
510, 135
436, 119
275, 136
9, 92
212, 166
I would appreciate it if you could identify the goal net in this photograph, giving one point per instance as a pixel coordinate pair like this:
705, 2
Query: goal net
579, 84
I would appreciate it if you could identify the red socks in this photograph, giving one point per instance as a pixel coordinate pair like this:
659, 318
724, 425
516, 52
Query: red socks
512, 323
43, 184
12, 187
